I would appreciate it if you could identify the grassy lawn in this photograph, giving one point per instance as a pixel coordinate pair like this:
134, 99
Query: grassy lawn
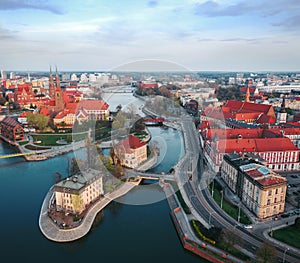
183, 204
215, 237
229, 208
289, 235
23, 143
50, 139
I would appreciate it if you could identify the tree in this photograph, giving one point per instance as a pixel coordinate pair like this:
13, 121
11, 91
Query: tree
38, 120
74, 167
77, 202
231, 238
266, 253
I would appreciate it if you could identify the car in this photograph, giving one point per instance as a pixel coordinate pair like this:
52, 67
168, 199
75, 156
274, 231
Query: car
248, 226
294, 176
285, 215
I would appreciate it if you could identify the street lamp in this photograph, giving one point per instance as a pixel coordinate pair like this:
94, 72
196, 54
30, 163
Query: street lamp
283, 260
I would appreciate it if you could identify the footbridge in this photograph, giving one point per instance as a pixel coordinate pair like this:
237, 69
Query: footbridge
150, 176
16, 155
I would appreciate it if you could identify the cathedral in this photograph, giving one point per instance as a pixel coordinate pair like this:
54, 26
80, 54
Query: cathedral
56, 103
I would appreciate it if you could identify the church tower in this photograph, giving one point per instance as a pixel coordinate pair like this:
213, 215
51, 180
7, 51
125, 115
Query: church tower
51, 85
57, 79
282, 115
247, 98
59, 95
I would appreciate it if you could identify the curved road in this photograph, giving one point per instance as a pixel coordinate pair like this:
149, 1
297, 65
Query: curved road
202, 202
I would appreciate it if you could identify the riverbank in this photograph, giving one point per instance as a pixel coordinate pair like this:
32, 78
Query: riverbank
51, 231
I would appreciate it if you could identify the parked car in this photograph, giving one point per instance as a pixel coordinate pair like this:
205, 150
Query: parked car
294, 176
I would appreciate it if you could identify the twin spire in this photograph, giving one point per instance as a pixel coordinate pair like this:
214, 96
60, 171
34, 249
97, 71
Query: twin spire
55, 71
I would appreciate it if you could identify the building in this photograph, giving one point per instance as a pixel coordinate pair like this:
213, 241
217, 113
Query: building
96, 109
260, 189
11, 130
68, 116
282, 114
130, 152
75, 193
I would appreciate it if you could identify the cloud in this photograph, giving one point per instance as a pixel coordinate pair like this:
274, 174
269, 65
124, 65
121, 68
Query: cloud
6, 34
291, 23
152, 3
264, 8
212, 8
30, 4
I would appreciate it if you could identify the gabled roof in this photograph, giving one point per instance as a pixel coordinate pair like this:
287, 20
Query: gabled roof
8, 121
256, 145
240, 106
130, 143
93, 105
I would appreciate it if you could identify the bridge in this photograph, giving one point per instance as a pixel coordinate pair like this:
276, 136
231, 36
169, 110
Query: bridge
16, 155
150, 176
154, 121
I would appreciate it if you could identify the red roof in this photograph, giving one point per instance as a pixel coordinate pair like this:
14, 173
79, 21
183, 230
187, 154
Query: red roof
93, 104
256, 145
131, 142
268, 181
240, 106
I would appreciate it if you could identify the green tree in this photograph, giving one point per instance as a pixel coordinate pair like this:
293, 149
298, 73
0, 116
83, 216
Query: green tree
38, 120
77, 202
266, 253
74, 167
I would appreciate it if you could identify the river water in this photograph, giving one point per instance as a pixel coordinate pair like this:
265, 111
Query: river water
124, 233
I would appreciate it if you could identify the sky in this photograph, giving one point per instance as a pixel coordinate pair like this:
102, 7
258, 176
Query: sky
94, 35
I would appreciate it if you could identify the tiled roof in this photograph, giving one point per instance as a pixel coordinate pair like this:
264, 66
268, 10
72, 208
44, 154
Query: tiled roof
129, 143
268, 181
8, 121
240, 106
256, 145
93, 104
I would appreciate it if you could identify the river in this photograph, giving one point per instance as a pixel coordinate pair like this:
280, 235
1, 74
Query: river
124, 233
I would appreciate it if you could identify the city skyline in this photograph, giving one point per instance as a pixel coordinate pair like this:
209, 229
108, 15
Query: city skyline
196, 35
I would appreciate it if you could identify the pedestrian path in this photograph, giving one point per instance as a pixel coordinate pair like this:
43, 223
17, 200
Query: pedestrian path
54, 233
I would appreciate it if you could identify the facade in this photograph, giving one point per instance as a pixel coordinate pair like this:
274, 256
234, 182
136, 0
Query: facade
276, 148
130, 152
260, 189
11, 129
75, 193
96, 109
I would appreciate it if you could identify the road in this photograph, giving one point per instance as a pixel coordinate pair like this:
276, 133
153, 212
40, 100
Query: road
190, 177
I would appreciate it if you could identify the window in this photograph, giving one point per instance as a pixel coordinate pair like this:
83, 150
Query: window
268, 202
275, 200
270, 192
276, 191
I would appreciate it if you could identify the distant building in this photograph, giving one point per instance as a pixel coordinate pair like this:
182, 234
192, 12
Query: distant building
3, 75
11, 130
260, 189
130, 152
75, 193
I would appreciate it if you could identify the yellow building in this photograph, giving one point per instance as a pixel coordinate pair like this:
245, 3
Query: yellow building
75, 193
260, 189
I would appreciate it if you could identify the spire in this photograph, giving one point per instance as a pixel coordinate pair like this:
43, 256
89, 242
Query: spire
57, 78
282, 110
51, 85
247, 98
